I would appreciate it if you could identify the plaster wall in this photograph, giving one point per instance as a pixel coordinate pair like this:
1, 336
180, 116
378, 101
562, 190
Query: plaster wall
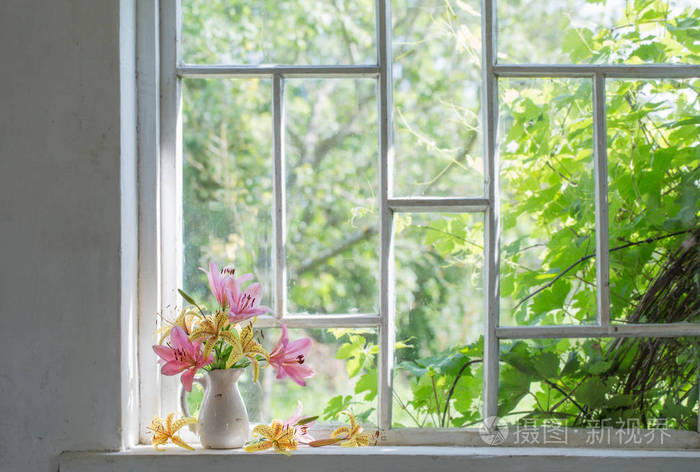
60, 230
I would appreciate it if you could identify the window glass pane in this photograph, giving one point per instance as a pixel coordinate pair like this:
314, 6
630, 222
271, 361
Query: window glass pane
598, 31
278, 31
547, 198
439, 316
332, 237
619, 383
345, 378
654, 199
437, 67
227, 180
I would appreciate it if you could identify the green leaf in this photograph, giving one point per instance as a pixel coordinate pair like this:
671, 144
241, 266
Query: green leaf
676, 411
547, 365
367, 383
620, 401
346, 350
591, 393
652, 52
363, 417
354, 365
187, 298
599, 367
467, 394
577, 43
514, 385
412, 367
307, 420
571, 365
335, 406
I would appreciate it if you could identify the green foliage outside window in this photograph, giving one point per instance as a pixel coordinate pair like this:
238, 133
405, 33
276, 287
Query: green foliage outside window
548, 266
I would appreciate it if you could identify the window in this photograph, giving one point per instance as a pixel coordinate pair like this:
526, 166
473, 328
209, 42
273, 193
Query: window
477, 211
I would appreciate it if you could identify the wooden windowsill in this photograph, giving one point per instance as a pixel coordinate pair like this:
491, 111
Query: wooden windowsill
385, 458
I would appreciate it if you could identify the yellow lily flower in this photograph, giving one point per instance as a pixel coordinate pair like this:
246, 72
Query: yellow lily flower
244, 345
212, 328
163, 432
354, 437
278, 436
187, 320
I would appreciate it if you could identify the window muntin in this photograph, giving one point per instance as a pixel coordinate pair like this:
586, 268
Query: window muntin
390, 208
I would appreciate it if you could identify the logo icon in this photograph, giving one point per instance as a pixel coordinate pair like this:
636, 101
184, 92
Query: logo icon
493, 431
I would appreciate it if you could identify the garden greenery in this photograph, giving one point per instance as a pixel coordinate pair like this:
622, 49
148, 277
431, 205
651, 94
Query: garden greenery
548, 266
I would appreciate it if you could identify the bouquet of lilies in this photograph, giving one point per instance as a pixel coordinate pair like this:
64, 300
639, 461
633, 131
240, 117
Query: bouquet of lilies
221, 338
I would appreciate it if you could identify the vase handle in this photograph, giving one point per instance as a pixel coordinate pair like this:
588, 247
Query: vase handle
183, 401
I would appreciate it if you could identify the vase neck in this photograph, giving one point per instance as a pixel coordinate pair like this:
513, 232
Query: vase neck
224, 376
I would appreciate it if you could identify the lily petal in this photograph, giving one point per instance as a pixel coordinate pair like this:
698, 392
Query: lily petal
245, 278
258, 446
253, 290
281, 343
179, 339
164, 352
211, 275
299, 346
298, 374
173, 367
186, 379
296, 416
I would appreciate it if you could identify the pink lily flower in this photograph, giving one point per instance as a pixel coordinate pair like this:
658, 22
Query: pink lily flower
288, 358
302, 430
221, 280
182, 355
244, 304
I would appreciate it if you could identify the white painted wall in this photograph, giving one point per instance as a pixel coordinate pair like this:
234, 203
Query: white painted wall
61, 229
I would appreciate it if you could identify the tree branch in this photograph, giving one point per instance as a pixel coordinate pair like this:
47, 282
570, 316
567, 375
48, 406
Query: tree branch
563, 392
452, 388
585, 258
461, 157
356, 238
437, 403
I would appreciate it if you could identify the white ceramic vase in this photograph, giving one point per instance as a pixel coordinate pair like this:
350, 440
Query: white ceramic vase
223, 419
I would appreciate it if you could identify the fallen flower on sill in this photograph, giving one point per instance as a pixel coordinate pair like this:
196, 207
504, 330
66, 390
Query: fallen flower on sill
301, 424
278, 436
283, 437
352, 436
164, 432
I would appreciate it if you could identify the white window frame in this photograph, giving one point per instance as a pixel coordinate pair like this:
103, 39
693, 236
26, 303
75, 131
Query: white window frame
160, 71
